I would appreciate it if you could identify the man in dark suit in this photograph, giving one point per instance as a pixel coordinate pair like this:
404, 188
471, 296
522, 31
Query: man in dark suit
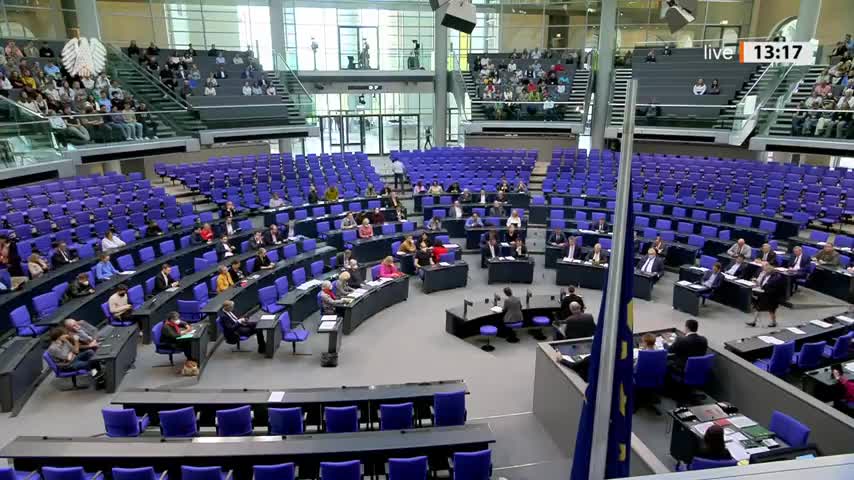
490, 250
519, 249
557, 238
652, 264
62, 255
163, 281
601, 226
689, 345
234, 326
196, 237
356, 279
798, 265
272, 236
512, 311
573, 250
496, 210
577, 325
567, 300
237, 274
223, 248
257, 241
711, 280
766, 254
343, 259
737, 268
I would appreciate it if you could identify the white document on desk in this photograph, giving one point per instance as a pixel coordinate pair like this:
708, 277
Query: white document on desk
696, 286
497, 309
771, 340
327, 326
307, 285
735, 437
737, 452
268, 317
701, 428
444, 264
358, 293
450, 246
276, 397
173, 289
741, 421
796, 330
505, 244
683, 283
329, 318
128, 272
821, 324
700, 269
843, 318
746, 283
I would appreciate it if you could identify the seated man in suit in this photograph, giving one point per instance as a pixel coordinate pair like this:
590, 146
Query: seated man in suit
577, 325
272, 236
827, 256
163, 281
456, 211
490, 250
557, 238
601, 226
798, 265
652, 264
62, 255
519, 248
229, 227
512, 311
237, 273
356, 280
257, 241
711, 280
496, 210
766, 254
740, 248
344, 258
224, 249
474, 221
689, 345
573, 250
235, 326
738, 268
598, 256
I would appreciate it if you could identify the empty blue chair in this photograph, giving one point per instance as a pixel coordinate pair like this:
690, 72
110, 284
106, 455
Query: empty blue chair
285, 421
472, 465
839, 350
200, 264
267, 297
396, 416
298, 276
790, 430
294, 335
316, 268
45, 304
146, 255
341, 419
309, 244
699, 463
282, 471
234, 422
449, 408
141, 473
167, 247
181, 422
351, 470
414, 468
810, 355
780, 361
200, 294
136, 296
203, 473
281, 284
123, 422
68, 473
650, 371
21, 320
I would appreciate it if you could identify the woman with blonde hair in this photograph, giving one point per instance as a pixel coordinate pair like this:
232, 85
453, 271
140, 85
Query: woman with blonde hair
388, 268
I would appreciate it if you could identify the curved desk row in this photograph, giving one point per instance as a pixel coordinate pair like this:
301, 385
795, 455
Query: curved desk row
474, 234
379, 246
155, 308
377, 298
320, 208
312, 400
514, 199
89, 308
752, 348
469, 208
12, 300
465, 322
240, 454
834, 281
590, 275
308, 226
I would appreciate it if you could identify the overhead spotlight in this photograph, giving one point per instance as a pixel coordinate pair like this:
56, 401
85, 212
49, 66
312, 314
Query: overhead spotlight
456, 14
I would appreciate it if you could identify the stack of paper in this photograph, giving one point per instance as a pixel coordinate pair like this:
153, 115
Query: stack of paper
771, 340
796, 330
445, 264
128, 272
741, 421
328, 318
728, 276
819, 323
508, 258
172, 289
497, 309
696, 286
308, 285
701, 269
746, 283
268, 317
373, 283
843, 318
505, 244
327, 326
255, 276
358, 293
384, 279
450, 246
683, 283
701, 428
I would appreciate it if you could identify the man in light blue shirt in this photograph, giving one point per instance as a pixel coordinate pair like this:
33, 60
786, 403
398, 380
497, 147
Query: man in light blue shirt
51, 70
474, 221
104, 270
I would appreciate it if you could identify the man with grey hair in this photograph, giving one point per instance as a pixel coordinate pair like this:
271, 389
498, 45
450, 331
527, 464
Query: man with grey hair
328, 299
87, 335
577, 325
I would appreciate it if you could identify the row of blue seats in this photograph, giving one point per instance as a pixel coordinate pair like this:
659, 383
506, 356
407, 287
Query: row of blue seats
810, 356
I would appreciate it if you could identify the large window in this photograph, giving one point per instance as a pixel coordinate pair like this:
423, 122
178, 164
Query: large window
227, 24
46, 19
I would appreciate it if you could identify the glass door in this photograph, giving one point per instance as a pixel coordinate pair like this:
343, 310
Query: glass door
358, 48
410, 126
391, 133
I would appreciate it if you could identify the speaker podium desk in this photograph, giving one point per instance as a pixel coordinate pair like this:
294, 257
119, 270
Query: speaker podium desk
464, 323
444, 276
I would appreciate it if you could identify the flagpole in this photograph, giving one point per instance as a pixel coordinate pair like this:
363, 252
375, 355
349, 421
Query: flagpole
607, 359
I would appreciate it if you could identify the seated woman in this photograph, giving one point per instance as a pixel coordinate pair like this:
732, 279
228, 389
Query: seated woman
423, 259
153, 229
223, 280
174, 327
433, 225
424, 241
388, 269
407, 246
37, 265
438, 250
521, 187
699, 87
331, 194
365, 229
514, 220
647, 342
454, 188
349, 222
110, 241
714, 447
435, 188
343, 287
207, 233
262, 261
715, 87
419, 188
512, 234
275, 201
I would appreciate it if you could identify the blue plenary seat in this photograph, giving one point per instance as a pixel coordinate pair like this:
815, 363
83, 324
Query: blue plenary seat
182, 422
123, 422
449, 408
780, 361
789, 429
69, 473
142, 473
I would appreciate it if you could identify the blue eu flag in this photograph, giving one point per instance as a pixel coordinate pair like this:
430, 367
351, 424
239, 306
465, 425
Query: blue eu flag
620, 431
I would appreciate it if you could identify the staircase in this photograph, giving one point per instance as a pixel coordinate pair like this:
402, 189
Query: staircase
478, 111
754, 85
142, 85
622, 76
577, 93
291, 92
783, 123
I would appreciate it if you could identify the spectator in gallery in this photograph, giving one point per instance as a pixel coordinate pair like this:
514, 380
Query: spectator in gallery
247, 89
699, 87
715, 87
650, 57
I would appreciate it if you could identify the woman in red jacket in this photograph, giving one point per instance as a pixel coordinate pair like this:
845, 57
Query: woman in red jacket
438, 250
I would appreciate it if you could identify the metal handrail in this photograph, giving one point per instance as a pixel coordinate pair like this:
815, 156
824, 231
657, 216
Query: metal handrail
458, 72
150, 77
17, 105
278, 57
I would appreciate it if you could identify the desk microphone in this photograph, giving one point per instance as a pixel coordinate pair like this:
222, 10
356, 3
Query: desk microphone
495, 299
562, 293
466, 305
528, 298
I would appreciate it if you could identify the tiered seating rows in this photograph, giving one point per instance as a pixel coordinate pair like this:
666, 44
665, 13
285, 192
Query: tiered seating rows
474, 168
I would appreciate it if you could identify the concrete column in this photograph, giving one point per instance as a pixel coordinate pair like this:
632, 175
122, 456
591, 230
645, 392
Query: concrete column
277, 27
808, 14
605, 67
284, 145
87, 18
440, 83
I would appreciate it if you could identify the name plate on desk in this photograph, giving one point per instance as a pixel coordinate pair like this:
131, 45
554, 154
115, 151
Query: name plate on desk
268, 317
172, 289
770, 339
276, 397
843, 318
819, 323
